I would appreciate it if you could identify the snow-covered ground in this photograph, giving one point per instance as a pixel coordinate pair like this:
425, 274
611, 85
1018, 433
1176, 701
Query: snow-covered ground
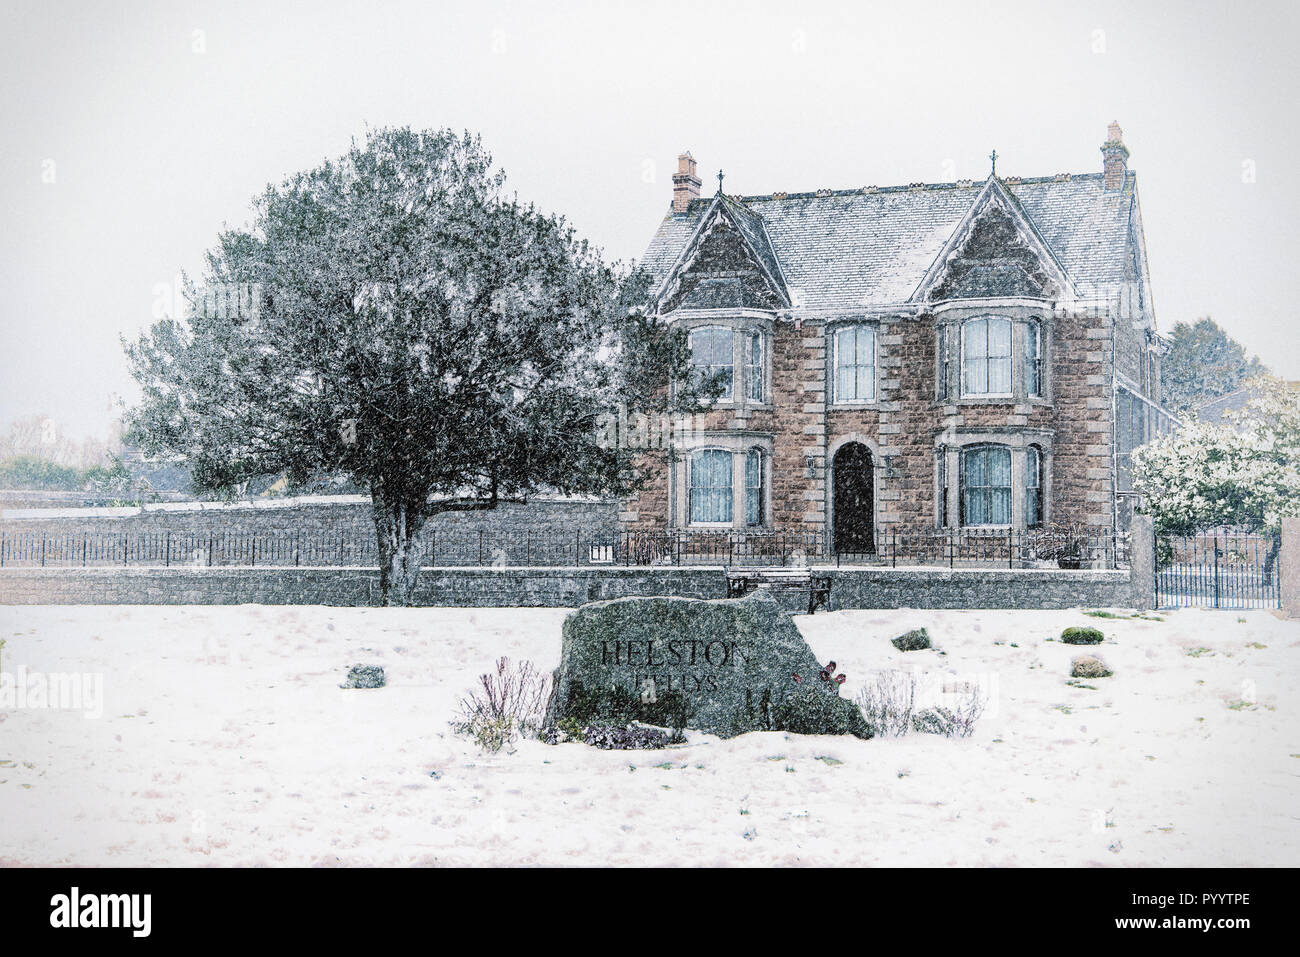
226, 740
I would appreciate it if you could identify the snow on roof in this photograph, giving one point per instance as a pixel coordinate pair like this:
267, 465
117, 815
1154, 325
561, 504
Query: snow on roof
844, 248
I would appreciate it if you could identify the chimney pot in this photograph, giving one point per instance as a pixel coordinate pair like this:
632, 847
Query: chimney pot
686, 185
1114, 165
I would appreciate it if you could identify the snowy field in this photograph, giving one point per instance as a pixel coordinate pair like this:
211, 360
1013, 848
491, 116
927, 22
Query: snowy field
225, 740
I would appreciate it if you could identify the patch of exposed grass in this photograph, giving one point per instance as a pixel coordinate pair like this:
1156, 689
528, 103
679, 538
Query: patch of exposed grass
1199, 652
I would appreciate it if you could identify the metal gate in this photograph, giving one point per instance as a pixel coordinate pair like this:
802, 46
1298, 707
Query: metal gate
1218, 569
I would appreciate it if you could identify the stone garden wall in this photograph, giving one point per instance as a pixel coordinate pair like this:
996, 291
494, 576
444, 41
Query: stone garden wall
348, 516
555, 587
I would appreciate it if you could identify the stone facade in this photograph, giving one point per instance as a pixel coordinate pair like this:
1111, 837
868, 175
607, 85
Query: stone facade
879, 339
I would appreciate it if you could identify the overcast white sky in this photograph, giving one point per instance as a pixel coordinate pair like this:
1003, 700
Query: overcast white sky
157, 135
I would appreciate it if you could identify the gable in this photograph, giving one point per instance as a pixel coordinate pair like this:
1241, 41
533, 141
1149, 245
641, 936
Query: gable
728, 263
995, 252
995, 261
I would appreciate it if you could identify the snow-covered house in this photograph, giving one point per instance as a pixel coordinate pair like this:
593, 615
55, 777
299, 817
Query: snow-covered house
916, 357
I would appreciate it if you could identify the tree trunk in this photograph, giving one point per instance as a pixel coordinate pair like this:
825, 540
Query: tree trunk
398, 522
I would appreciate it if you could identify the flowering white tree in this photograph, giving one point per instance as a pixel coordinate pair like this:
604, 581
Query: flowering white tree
1243, 473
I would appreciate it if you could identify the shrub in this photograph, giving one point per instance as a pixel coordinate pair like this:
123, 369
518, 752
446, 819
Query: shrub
934, 721
1082, 636
889, 707
365, 676
629, 738
619, 707
509, 703
1089, 666
814, 711
889, 704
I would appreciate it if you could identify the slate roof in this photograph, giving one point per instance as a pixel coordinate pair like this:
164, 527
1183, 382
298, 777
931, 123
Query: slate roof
844, 248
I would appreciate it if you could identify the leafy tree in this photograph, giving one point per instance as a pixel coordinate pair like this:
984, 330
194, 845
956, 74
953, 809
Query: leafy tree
1245, 472
33, 472
1203, 362
414, 330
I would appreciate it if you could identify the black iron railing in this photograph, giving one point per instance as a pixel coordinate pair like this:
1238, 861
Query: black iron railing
965, 548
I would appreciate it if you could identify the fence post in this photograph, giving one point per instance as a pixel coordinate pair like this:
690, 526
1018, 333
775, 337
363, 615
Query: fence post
1288, 568
210, 534
167, 554
42, 549
1142, 563
577, 548
1216, 572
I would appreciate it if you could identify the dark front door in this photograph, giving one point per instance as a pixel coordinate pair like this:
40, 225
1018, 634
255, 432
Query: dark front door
852, 501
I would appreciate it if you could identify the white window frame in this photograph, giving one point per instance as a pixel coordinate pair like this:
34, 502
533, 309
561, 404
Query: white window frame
690, 487
966, 326
730, 394
963, 486
836, 331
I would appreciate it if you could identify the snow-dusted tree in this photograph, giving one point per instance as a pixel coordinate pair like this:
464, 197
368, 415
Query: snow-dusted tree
1202, 363
1245, 472
406, 324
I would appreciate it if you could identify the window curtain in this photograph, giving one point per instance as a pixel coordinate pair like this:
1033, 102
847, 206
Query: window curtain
711, 486
754, 487
986, 485
986, 357
1033, 363
756, 367
1033, 486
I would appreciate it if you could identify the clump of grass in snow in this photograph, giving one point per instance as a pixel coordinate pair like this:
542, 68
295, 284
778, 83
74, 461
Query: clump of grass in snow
508, 703
889, 706
1199, 652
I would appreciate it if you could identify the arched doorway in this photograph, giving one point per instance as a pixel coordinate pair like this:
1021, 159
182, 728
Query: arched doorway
853, 508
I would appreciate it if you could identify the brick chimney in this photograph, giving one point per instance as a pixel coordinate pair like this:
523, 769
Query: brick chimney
686, 185
1114, 153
